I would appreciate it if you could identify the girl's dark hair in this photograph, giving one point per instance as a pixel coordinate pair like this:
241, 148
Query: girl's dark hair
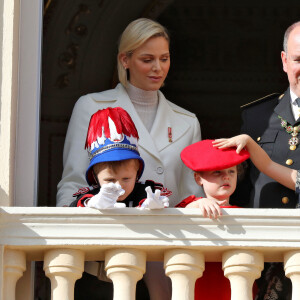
241, 170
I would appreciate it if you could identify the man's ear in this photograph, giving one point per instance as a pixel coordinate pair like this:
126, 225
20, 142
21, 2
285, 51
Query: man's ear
198, 178
284, 61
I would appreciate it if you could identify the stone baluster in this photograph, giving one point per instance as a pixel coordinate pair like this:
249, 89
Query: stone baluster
183, 267
242, 267
125, 267
14, 266
63, 267
292, 270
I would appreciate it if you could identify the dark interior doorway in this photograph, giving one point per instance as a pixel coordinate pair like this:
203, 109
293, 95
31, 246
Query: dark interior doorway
223, 54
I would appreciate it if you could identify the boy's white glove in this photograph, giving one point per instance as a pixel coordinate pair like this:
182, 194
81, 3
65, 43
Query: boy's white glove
155, 200
107, 197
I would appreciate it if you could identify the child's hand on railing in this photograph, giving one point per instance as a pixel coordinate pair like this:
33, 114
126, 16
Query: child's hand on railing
155, 200
209, 207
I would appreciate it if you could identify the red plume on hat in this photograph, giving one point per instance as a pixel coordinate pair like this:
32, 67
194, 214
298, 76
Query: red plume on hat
112, 136
99, 124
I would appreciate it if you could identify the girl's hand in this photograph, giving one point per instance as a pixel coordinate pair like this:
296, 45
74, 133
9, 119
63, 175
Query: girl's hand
209, 208
239, 141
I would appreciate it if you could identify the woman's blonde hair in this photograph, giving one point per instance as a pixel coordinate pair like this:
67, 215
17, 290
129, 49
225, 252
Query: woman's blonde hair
134, 35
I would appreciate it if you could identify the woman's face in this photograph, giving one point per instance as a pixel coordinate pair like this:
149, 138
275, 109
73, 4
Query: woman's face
148, 64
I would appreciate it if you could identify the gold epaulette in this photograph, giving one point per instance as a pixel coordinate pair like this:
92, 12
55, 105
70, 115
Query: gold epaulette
257, 101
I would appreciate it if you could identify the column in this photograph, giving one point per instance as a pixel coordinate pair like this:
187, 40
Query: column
14, 266
9, 64
242, 267
63, 267
125, 267
292, 271
183, 267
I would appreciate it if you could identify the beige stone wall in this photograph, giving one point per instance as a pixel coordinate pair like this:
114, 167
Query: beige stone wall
9, 28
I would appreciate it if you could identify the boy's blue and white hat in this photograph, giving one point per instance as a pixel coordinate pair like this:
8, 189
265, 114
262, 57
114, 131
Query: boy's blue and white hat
111, 136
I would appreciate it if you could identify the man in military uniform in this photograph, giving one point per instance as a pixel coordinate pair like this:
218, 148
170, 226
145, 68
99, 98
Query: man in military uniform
273, 121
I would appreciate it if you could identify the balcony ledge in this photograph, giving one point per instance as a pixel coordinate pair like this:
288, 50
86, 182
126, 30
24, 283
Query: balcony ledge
37, 229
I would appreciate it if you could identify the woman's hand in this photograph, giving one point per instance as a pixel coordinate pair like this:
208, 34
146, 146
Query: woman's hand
239, 141
209, 207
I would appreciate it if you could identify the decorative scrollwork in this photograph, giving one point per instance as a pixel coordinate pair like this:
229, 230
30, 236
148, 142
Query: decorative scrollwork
67, 59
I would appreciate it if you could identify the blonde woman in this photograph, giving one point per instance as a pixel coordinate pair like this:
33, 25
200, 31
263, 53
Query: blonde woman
164, 128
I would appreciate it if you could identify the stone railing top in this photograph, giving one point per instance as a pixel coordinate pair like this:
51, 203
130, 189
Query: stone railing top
35, 229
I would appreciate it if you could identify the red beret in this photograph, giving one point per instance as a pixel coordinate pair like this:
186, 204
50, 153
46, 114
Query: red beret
202, 156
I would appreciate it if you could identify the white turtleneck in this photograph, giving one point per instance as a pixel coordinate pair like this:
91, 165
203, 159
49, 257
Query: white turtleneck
145, 104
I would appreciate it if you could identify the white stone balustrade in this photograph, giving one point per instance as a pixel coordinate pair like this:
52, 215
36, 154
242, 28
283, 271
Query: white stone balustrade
292, 270
183, 267
63, 267
242, 267
14, 264
125, 238
125, 267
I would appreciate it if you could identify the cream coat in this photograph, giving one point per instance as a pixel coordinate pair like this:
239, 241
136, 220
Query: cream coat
162, 158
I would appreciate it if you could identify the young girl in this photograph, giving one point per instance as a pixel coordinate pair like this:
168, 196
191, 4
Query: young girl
216, 170
286, 176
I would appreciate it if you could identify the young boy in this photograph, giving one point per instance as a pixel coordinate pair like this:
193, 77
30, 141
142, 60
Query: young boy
113, 173
216, 171
115, 166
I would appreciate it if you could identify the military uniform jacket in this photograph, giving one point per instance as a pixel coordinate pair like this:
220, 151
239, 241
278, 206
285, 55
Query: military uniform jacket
161, 155
261, 122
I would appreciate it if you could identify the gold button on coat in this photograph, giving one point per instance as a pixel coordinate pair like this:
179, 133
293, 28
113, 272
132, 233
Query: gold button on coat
258, 139
289, 162
285, 200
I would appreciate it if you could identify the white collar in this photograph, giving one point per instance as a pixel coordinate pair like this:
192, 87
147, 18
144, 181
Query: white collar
293, 97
